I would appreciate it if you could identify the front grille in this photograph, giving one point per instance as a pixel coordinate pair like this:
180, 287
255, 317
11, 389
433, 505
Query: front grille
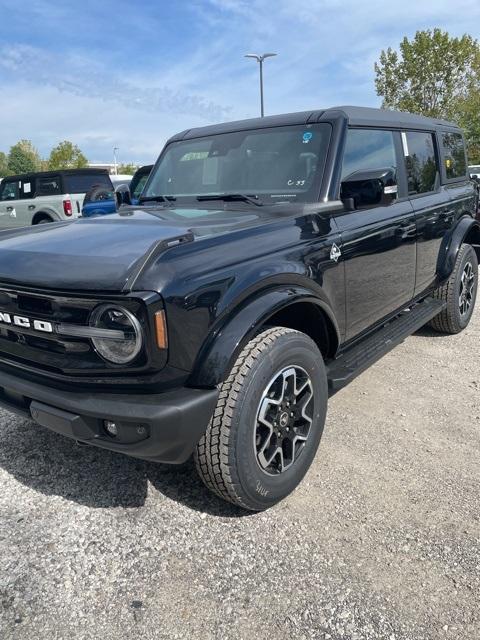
51, 352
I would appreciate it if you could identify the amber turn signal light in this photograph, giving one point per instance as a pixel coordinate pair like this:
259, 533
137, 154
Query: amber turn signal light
161, 330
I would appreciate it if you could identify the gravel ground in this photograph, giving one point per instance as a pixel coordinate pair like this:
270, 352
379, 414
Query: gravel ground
382, 539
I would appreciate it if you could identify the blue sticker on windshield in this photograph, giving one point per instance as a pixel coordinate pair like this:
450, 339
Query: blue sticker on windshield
307, 136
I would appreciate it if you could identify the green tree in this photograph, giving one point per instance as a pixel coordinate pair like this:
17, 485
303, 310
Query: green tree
66, 155
435, 75
3, 165
23, 158
127, 169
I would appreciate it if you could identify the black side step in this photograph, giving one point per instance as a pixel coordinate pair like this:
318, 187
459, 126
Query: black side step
365, 353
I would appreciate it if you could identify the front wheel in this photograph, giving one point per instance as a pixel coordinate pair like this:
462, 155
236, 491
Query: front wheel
459, 293
268, 422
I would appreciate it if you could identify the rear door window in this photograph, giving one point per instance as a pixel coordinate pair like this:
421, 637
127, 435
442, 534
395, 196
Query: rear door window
9, 190
421, 160
27, 189
81, 183
455, 162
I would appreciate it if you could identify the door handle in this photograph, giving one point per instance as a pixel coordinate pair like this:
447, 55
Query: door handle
31, 207
447, 215
407, 229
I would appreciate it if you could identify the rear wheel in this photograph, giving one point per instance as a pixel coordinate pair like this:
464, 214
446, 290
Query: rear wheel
268, 421
459, 293
43, 220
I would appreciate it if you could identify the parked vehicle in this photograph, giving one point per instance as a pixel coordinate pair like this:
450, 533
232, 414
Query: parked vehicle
49, 196
119, 179
139, 181
474, 170
271, 262
100, 201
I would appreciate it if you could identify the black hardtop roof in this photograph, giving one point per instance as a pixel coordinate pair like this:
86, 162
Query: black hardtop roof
62, 172
368, 116
357, 116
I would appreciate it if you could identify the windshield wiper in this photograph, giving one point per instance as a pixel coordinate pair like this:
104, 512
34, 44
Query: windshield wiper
157, 199
232, 197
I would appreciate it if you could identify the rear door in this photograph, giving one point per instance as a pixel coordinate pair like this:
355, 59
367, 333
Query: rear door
434, 213
48, 196
378, 241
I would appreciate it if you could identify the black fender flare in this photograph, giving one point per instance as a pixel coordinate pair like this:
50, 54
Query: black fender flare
451, 245
221, 349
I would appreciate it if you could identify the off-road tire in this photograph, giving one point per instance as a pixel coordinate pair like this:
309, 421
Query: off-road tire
450, 320
97, 193
225, 457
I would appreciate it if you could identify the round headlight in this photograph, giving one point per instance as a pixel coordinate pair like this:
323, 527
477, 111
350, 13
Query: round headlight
125, 340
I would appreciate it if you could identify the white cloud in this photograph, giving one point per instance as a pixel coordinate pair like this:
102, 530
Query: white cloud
47, 115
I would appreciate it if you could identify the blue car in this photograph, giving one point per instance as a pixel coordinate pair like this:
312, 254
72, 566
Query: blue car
100, 201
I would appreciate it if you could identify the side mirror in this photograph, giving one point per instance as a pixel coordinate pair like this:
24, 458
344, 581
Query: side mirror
122, 195
371, 188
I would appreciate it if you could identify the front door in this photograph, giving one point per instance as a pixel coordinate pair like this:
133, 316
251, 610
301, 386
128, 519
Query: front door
9, 201
378, 241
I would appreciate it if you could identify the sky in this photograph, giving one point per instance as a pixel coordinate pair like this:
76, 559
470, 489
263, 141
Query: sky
129, 74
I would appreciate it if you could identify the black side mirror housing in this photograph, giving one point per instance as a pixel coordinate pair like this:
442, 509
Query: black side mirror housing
371, 188
122, 195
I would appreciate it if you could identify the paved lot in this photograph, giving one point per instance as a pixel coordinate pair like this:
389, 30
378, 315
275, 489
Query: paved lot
382, 540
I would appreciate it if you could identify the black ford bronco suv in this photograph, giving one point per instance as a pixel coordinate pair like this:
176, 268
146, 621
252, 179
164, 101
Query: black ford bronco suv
268, 263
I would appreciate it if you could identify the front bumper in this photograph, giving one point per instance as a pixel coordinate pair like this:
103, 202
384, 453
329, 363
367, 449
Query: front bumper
163, 427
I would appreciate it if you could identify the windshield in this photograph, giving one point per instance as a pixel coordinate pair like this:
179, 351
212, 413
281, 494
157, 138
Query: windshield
280, 164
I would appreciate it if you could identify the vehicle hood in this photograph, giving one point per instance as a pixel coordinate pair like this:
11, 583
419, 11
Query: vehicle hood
106, 253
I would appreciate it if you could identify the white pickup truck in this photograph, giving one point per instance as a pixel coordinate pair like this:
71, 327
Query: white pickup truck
49, 196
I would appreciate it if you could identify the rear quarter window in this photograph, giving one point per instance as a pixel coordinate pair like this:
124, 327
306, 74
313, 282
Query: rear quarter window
84, 182
454, 158
48, 186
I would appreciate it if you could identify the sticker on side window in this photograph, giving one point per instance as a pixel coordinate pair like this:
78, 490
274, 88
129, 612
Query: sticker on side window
307, 136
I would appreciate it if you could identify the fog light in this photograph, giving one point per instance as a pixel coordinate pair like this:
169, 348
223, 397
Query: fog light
141, 430
111, 427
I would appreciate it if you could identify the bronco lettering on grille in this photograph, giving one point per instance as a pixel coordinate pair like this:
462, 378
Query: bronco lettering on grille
26, 323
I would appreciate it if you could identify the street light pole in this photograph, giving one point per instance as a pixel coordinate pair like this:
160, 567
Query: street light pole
115, 149
260, 59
